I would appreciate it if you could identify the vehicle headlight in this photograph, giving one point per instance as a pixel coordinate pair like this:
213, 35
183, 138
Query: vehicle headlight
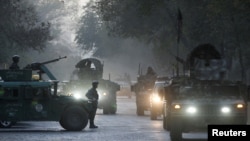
104, 94
156, 98
225, 109
191, 110
77, 96
177, 106
239, 106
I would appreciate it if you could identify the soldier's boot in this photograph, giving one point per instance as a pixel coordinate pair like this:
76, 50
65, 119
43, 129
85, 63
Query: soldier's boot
92, 125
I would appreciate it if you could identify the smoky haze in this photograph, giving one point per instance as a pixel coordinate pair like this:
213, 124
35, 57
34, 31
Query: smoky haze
64, 17
124, 61
127, 60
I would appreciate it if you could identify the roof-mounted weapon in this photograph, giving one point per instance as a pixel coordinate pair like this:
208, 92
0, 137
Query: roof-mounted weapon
42, 68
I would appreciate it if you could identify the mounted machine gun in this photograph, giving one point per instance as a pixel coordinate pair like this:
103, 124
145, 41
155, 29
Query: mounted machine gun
42, 68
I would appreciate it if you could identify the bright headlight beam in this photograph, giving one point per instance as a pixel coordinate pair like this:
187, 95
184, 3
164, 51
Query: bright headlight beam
156, 99
225, 109
177, 106
77, 96
239, 106
191, 110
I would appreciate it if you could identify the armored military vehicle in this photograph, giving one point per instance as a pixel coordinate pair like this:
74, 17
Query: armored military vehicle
85, 72
157, 95
27, 98
143, 89
204, 97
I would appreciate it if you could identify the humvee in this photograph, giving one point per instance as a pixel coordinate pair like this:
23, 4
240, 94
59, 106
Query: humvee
143, 89
26, 98
87, 70
191, 105
205, 96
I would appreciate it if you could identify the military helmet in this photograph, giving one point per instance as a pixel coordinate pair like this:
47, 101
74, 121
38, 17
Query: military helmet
95, 82
15, 58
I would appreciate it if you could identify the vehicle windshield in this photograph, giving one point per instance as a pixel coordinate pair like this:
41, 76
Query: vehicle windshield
207, 91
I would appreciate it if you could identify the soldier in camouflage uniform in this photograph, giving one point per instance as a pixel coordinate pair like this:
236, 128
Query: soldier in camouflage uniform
93, 96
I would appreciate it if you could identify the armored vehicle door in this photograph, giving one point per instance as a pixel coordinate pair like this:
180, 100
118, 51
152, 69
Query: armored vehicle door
37, 101
11, 107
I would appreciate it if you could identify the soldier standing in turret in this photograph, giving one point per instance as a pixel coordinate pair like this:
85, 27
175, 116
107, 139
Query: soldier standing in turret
14, 65
150, 71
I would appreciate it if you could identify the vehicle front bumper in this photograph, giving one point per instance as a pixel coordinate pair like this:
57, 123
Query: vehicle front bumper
192, 123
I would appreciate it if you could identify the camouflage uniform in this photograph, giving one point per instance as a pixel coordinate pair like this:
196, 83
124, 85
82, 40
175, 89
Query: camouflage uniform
93, 96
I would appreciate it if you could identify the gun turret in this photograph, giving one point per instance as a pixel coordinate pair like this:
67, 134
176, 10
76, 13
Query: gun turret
205, 62
85, 71
37, 65
42, 68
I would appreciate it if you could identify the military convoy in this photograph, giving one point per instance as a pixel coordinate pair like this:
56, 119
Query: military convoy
191, 102
204, 97
85, 72
27, 98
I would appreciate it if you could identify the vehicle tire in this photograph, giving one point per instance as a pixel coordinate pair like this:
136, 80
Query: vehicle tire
164, 113
6, 124
113, 109
175, 131
106, 110
74, 118
167, 121
110, 109
140, 111
153, 113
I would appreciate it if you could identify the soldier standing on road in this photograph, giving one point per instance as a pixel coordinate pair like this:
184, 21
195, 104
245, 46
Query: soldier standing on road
93, 96
14, 65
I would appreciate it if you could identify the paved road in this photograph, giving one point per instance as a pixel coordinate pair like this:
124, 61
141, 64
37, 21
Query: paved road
124, 126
